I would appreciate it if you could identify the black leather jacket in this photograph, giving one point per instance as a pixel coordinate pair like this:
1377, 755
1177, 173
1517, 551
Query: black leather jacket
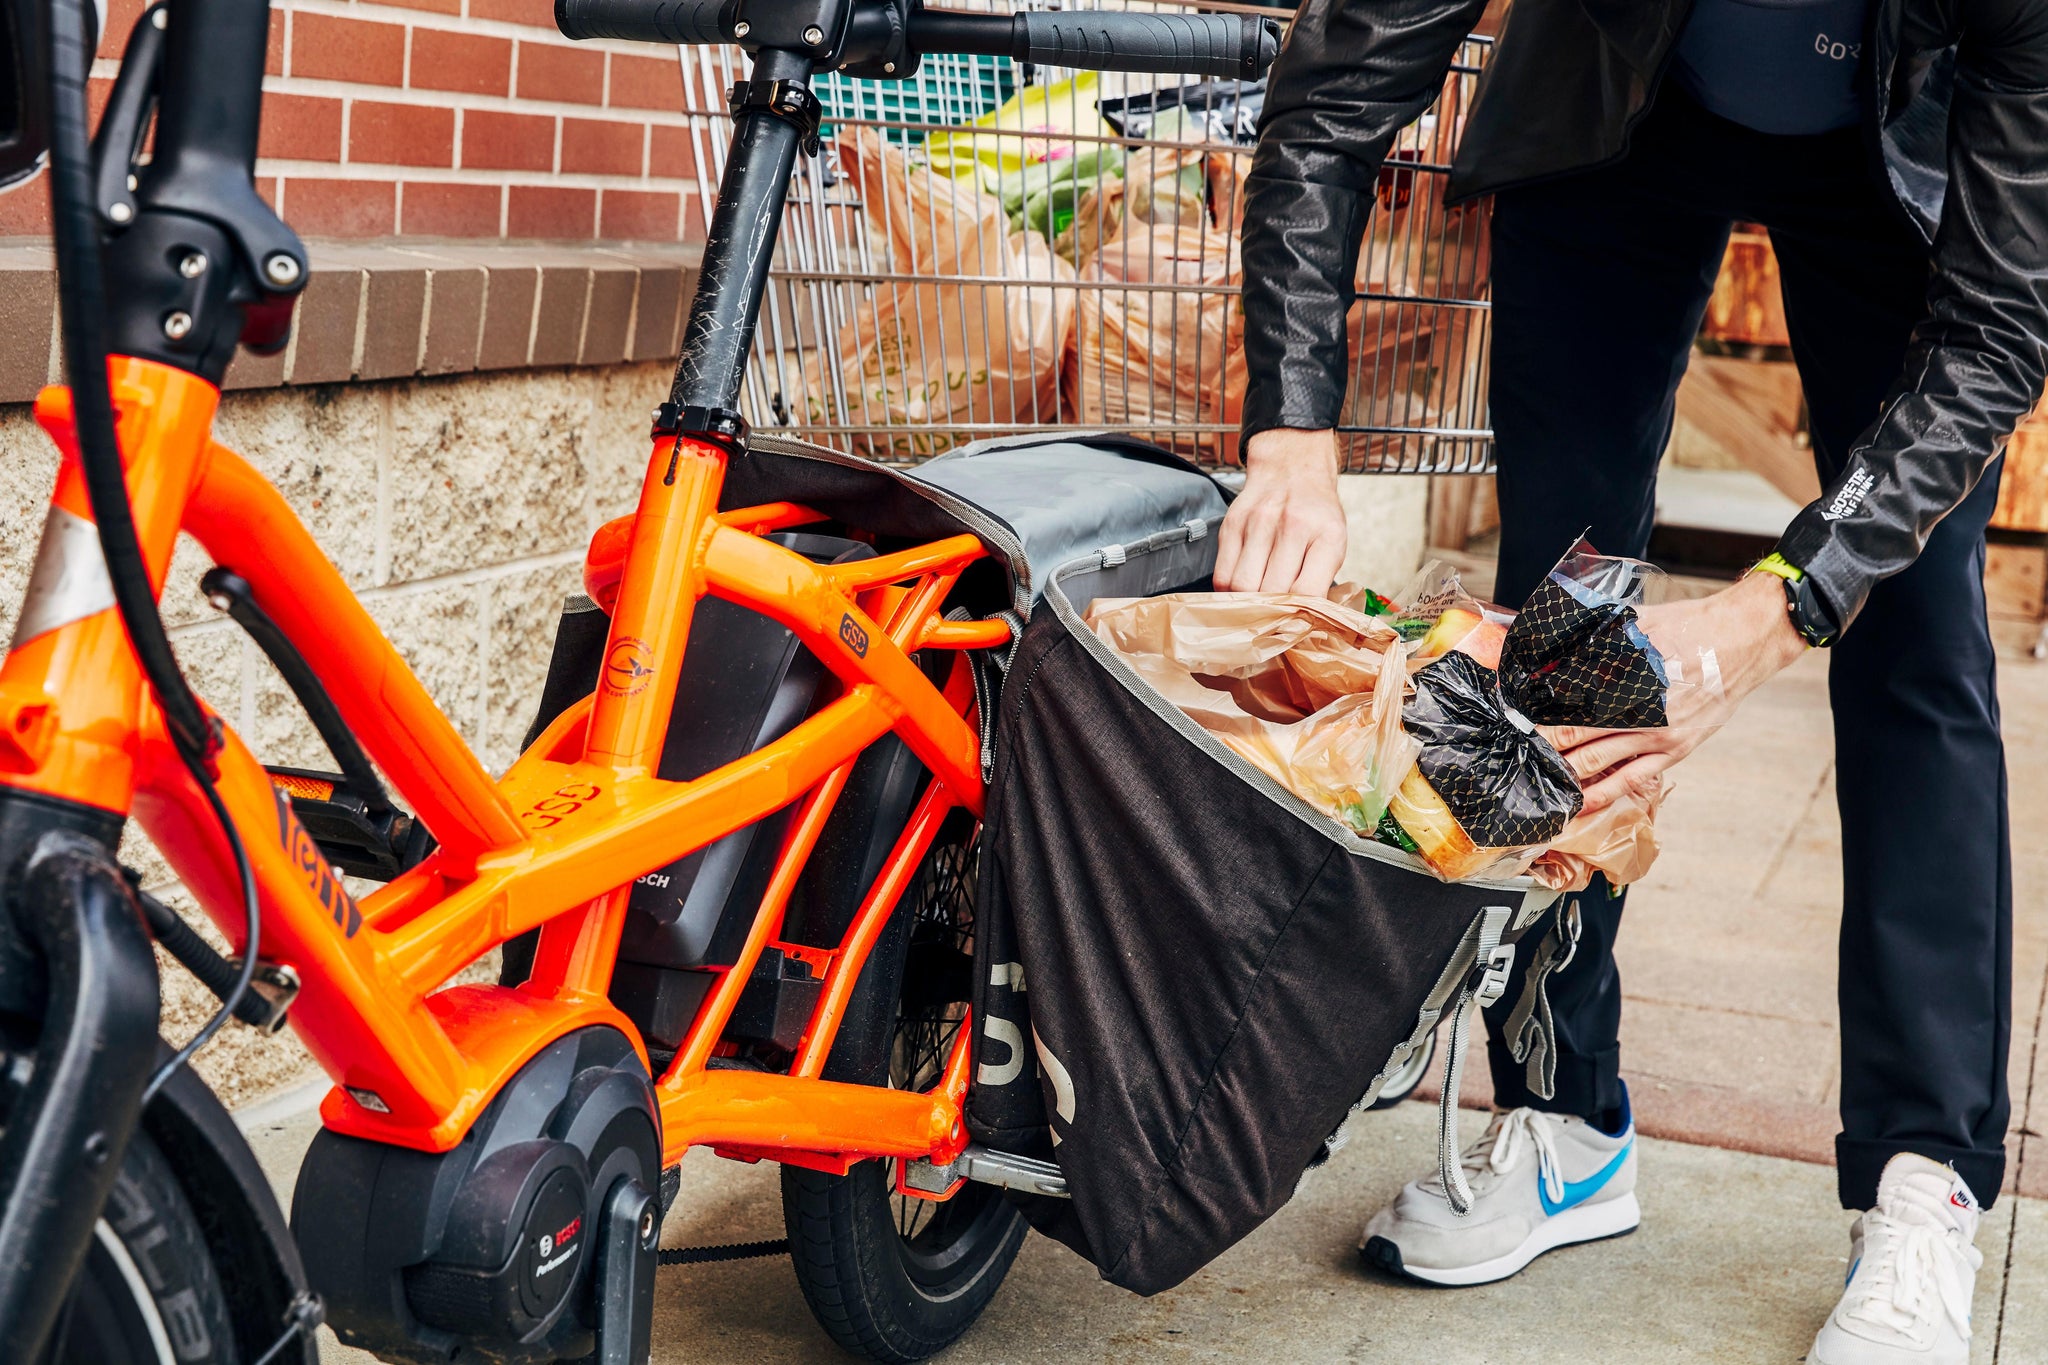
1957, 100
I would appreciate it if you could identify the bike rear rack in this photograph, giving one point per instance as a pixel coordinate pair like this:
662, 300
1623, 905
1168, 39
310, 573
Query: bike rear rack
977, 1163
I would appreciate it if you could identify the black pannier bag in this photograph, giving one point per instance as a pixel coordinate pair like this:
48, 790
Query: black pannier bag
1187, 978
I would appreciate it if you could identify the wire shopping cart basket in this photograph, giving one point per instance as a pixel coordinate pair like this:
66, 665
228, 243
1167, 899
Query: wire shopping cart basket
989, 248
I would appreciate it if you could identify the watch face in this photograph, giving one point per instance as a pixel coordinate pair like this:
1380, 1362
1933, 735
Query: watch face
1809, 617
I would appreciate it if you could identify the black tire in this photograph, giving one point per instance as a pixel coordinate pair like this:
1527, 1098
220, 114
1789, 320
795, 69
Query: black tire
1402, 1083
149, 1293
888, 1277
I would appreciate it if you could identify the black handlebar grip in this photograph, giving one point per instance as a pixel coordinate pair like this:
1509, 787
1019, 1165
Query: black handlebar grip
1227, 45
647, 21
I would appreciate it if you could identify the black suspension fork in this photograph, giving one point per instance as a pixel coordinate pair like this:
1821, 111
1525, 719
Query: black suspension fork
73, 1113
775, 116
178, 270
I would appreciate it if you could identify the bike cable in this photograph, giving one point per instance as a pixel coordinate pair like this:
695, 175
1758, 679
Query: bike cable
302, 1318
81, 293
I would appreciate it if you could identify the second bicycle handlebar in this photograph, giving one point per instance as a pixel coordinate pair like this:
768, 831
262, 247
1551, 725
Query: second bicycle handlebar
1223, 45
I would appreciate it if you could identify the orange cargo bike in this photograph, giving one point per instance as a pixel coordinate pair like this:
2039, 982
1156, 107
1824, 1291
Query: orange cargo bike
786, 812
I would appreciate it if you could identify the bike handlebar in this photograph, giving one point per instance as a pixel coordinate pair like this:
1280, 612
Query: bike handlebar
1224, 45
1198, 44
707, 22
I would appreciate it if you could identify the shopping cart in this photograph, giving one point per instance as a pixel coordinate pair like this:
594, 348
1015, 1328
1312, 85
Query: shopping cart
991, 249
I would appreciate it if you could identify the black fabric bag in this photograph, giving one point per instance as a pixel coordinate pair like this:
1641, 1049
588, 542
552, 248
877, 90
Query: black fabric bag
1186, 977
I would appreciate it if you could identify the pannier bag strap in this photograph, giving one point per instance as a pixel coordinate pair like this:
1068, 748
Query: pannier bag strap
1487, 982
1531, 1030
988, 668
1016, 625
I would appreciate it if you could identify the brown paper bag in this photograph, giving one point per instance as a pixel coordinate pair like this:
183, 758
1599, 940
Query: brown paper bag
1289, 683
928, 358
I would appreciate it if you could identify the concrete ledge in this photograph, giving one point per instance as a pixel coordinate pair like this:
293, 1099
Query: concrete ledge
391, 311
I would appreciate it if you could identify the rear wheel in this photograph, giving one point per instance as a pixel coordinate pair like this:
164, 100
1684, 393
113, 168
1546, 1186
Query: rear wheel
148, 1291
890, 1277
1402, 1083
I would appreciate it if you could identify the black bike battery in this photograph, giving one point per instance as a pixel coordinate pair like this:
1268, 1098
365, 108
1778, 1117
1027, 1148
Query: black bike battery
746, 682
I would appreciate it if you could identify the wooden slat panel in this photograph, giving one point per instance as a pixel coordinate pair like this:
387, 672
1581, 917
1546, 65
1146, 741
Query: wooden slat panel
2023, 495
1751, 409
1747, 308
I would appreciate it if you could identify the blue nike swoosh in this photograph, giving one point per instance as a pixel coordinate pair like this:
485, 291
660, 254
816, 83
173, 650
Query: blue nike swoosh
1579, 1191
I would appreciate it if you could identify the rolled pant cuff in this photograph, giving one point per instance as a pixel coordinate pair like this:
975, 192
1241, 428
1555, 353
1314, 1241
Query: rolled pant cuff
1859, 1162
1586, 1087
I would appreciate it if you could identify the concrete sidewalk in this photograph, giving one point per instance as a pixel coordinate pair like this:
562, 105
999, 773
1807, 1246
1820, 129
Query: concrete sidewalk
1738, 1260
1729, 1042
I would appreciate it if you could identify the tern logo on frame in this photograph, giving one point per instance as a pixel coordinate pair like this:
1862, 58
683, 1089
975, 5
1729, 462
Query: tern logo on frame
852, 636
559, 804
313, 869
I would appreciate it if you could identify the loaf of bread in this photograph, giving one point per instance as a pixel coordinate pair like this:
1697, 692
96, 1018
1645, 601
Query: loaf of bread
1438, 836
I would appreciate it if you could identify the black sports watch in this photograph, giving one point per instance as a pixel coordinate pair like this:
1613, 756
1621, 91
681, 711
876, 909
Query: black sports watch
1809, 615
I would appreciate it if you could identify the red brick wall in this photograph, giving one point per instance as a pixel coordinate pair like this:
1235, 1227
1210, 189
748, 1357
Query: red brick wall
452, 119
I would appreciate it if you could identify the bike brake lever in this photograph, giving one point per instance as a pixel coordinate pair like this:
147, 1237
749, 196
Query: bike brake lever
126, 122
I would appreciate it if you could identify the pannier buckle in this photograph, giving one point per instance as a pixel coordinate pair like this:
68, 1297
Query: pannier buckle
1492, 982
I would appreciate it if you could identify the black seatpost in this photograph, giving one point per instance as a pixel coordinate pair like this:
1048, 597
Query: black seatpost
774, 117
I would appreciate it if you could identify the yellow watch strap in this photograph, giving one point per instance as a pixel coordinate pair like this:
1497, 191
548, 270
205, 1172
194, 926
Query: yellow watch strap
1780, 566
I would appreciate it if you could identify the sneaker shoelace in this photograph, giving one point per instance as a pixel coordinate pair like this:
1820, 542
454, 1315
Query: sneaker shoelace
1908, 1274
1500, 1150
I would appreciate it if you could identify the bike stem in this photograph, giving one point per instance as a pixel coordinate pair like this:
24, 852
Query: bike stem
774, 117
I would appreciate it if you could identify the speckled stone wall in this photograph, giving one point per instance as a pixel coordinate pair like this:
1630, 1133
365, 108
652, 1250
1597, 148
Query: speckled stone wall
458, 509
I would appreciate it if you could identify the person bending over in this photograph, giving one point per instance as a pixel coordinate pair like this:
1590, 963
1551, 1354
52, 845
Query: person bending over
1895, 150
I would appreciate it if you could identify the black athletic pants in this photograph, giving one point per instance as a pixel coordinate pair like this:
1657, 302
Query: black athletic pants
1599, 284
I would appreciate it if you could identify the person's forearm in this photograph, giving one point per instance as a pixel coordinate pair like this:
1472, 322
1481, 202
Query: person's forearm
1975, 369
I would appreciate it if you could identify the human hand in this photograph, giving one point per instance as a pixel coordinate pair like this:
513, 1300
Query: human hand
1722, 648
1285, 532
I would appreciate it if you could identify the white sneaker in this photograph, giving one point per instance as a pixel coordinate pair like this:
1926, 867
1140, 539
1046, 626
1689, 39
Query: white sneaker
1912, 1272
1539, 1181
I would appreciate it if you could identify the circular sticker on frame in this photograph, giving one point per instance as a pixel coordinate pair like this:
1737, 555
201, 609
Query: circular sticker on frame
627, 667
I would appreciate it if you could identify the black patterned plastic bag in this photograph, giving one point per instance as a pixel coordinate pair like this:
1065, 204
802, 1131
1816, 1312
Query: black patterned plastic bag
1576, 655
1488, 788
1506, 785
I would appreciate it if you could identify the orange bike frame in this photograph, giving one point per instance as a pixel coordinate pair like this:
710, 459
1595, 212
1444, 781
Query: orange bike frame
557, 843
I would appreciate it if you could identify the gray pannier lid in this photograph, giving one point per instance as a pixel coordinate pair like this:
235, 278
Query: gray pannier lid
1034, 502
1073, 496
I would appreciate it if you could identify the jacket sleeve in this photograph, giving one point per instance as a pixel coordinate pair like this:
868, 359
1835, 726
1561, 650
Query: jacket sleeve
1975, 367
1352, 75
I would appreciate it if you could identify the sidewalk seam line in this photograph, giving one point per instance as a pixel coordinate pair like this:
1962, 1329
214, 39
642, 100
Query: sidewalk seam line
1663, 1002
1792, 829
2012, 1234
